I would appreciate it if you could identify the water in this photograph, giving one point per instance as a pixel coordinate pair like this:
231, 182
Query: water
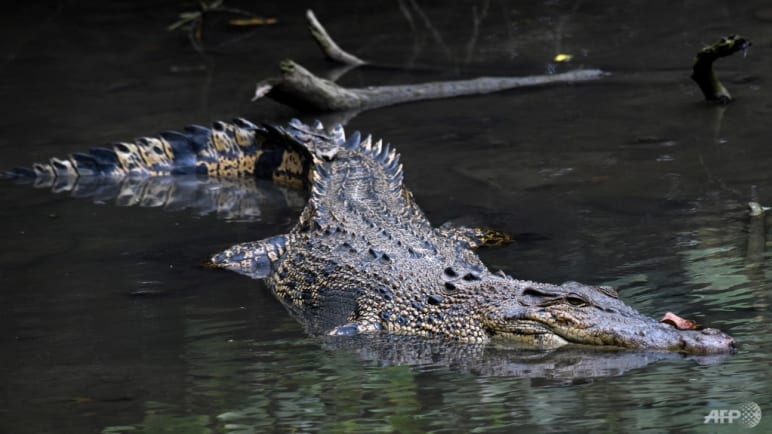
109, 324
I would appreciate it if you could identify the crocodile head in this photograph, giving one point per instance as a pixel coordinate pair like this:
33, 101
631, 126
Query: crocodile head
555, 315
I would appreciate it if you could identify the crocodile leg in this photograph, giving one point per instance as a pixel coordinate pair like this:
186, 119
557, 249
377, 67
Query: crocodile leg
476, 237
254, 259
355, 328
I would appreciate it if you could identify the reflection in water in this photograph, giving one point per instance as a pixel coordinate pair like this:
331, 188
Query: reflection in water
234, 199
300, 385
612, 178
565, 365
726, 271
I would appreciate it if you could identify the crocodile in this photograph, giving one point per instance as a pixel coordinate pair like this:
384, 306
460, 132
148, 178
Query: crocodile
363, 258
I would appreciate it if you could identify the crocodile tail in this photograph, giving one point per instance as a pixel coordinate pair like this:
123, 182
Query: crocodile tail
235, 149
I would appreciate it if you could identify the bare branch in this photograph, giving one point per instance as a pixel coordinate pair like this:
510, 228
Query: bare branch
432, 30
703, 74
330, 49
477, 19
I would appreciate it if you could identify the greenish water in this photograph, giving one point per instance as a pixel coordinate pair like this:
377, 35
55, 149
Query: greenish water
108, 323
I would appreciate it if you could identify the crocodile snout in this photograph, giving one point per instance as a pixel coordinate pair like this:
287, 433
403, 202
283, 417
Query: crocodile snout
709, 341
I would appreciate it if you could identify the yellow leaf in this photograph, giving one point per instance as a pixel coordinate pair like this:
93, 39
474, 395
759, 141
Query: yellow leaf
253, 21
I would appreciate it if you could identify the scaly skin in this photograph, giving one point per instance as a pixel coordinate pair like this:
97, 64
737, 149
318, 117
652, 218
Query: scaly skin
363, 258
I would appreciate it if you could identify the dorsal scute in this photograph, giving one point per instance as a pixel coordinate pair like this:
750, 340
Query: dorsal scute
87, 165
331, 152
383, 154
354, 141
338, 135
63, 168
198, 136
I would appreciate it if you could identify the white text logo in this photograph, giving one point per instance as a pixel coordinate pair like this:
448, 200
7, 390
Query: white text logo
747, 414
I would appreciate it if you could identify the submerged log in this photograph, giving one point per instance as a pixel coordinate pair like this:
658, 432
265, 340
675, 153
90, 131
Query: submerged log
302, 90
702, 71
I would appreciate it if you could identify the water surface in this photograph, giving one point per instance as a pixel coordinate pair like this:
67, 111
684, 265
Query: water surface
108, 323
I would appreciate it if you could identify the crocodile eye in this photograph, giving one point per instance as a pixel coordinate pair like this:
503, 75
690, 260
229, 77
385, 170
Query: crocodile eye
575, 300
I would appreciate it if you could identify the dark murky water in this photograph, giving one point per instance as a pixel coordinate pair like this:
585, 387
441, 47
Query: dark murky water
107, 324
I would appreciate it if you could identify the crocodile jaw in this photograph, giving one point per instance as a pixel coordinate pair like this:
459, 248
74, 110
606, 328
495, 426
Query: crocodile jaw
645, 333
549, 316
